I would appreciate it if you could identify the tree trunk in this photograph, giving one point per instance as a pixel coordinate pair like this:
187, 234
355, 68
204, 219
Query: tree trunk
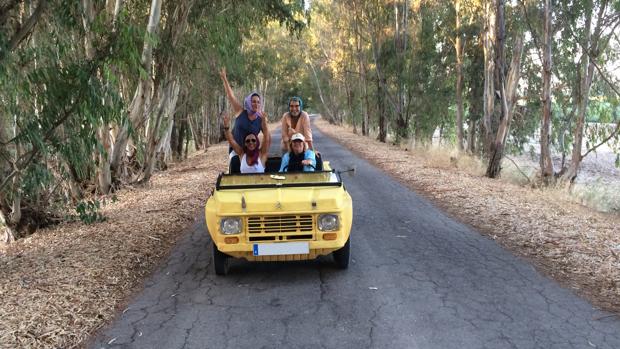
495, 147
104, 177
476, 98
381, 109
330, 114
362, 70
471, 137
181, 136
546, 162
143, 90
489, 69
508, 100
459, 78
163, 115
586, 68
8, 234
104, 174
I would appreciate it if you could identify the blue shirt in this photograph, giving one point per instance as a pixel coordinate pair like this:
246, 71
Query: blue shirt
308, 155
244, 126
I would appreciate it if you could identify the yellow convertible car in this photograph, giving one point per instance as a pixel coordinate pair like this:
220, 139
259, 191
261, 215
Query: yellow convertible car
279, 217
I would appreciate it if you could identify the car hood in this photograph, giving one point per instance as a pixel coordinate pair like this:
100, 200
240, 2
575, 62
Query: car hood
280, 200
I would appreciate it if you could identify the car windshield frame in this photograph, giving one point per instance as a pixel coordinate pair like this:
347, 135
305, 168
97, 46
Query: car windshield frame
279, 180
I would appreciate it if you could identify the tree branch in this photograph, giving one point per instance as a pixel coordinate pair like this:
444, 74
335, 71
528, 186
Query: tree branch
518, 168
4, 10
612, 135
27, 27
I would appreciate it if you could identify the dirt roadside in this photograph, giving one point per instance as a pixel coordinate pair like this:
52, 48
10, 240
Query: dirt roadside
572, 244
62, 284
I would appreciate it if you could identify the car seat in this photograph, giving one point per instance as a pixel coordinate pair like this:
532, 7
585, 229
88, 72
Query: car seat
273, 164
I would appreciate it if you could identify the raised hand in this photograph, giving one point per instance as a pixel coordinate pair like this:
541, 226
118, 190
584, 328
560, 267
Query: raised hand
264, 119
225, 119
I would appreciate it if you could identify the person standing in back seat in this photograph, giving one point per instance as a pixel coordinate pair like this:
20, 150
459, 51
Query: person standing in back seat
295, 121
248, 119
253, 156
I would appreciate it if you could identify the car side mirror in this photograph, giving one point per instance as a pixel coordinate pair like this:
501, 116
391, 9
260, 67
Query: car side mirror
350, 171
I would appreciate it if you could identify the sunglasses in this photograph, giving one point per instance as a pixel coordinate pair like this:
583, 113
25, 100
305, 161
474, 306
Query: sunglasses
250, 140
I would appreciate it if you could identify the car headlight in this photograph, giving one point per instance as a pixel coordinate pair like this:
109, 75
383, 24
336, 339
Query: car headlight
230, 225
328, 222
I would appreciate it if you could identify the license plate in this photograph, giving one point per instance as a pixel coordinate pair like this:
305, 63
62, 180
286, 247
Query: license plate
281, 248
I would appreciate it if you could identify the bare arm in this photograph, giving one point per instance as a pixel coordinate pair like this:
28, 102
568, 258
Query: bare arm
307, 130
237, 107
284, 130
229, 137
264, 150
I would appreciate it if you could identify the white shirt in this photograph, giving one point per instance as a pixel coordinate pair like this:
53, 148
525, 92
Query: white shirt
256, 168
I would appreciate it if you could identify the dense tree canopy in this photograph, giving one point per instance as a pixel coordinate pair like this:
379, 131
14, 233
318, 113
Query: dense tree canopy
95, 94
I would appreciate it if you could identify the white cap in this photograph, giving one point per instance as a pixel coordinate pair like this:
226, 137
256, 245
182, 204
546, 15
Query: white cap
298, 136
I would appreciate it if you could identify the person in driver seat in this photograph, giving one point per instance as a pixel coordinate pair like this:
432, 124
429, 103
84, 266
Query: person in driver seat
299, 158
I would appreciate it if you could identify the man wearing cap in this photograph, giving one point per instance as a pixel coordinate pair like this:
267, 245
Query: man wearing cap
299, 158
295, 121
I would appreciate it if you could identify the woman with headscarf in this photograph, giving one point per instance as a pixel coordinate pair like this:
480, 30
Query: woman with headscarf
252, 157
296, 120
248, 116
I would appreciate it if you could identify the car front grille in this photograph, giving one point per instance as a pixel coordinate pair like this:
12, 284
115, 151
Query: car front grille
274, 228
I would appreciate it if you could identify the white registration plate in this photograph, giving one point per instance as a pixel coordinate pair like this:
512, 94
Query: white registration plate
281, 248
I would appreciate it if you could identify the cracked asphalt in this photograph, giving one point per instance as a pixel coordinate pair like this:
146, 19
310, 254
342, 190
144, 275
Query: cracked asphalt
417, 279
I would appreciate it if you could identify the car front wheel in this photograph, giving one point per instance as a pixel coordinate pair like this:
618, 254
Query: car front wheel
343, 255
220, 261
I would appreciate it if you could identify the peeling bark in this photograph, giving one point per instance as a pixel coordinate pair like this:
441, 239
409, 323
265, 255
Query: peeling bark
459, 78
590, 49
142, 93
489, 68
546, 163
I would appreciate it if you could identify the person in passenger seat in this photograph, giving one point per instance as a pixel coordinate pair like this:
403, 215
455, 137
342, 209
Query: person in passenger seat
299, 158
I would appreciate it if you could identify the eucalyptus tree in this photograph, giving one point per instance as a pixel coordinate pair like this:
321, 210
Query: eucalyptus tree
53, 103
72, 78
591, 26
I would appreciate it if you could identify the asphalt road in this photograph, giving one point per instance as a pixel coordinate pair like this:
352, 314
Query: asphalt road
417, 279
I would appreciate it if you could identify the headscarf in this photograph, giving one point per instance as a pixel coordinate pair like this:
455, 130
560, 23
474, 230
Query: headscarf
247, 103
297, 99
251, 156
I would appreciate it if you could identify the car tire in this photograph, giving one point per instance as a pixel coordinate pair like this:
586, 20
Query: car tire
220, 261
343, 255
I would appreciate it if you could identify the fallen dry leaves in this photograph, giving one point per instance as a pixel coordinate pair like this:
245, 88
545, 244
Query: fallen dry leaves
63, 283
572, 244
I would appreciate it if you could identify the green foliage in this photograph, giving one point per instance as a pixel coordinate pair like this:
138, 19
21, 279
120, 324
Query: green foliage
88, 211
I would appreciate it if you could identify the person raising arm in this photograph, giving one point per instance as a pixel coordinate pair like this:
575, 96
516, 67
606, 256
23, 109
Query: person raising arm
248, 118
252, 156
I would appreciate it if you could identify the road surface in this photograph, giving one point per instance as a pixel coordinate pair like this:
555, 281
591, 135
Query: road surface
417, 279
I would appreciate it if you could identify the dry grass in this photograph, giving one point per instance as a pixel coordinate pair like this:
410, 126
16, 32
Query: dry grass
569, 242
61, 284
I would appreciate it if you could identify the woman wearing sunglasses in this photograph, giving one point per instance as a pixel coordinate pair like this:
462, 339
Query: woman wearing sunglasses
247, 118
253, 156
